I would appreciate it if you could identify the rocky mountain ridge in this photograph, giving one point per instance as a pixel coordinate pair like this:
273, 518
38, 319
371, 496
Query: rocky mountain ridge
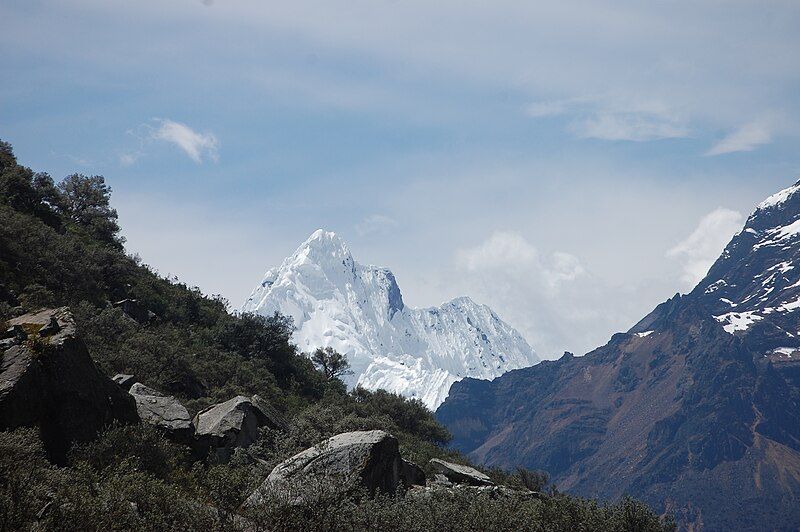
694, 409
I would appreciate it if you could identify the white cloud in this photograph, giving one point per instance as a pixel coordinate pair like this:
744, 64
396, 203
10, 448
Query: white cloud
510, 255
550, 297
746, 138
687, 54
547, 108
127, 159
375, 223
565, 267
503, 250
629, 126
702, 247
619, 117
196, 145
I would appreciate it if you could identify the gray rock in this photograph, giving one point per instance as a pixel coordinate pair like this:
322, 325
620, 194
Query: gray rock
271, 416
439, 480
135, 310
49, 381
369, 459
123, 380
164, 412
460, 474
234, 423
493, 492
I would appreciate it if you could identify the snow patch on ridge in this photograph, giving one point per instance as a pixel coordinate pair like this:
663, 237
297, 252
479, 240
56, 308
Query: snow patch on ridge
779, 197
737, 321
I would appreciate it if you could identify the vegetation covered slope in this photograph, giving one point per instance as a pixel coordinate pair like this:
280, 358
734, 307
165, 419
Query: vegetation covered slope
60, 245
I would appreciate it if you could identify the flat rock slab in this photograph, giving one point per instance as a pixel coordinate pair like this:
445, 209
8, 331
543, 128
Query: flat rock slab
163, 411
460, 474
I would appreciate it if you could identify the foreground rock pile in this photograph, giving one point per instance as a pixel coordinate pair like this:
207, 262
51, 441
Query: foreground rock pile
368, 460
217, 430
49, 381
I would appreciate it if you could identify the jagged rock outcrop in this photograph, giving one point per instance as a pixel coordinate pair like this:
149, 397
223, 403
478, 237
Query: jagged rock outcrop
234, 423
361, 459
49, 381
164, 412
460, 474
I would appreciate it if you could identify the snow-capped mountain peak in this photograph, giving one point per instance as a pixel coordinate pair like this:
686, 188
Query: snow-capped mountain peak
359, 311
754, 286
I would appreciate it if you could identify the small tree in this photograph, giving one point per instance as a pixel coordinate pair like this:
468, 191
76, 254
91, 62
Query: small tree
86, 203
330, 362
532, 480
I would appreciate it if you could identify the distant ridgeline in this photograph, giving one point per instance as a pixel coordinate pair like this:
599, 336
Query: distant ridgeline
214, 421
696, 409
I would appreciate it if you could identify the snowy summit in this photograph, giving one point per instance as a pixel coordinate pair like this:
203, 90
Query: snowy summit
359, 311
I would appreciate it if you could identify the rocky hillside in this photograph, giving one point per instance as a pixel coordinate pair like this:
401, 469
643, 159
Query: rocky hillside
696, 409
359, 310
210, 420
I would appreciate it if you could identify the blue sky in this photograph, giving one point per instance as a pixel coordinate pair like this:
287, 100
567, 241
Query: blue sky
569, 163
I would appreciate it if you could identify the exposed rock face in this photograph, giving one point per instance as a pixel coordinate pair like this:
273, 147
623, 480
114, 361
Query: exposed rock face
460, 474
164, 412
124, 381
695, 410
49, 381
233, 424
364, 458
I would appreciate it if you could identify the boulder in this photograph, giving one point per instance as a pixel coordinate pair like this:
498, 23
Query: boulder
49, 381
439, 480
271, 416
123, 380
135, 310
460, 474
368, 459
411, 474
164, 412
234, 423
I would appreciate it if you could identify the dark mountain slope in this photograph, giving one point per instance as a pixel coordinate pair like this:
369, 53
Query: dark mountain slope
695, 409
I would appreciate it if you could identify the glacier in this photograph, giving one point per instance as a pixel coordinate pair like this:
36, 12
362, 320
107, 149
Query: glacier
359, 311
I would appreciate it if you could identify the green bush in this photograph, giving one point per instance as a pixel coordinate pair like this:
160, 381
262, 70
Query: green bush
139, 448
463, 509
26, 479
